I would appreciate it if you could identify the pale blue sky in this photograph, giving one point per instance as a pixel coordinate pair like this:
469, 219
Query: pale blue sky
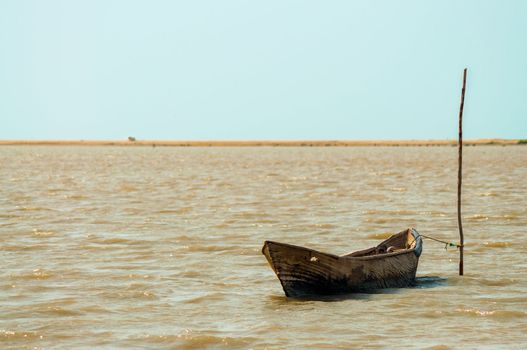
261, 69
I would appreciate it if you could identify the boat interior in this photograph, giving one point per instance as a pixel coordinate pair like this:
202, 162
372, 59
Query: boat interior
401, 241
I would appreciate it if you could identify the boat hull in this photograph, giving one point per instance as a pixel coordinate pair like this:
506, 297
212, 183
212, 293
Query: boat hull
304, 271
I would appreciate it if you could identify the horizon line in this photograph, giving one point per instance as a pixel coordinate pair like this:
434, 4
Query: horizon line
131, 141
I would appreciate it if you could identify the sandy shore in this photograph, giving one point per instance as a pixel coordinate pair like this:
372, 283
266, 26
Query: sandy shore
257, 143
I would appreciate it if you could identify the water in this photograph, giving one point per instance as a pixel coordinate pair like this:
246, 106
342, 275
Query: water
148, 248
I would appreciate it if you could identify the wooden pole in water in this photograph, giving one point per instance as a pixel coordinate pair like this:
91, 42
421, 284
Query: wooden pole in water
459, 174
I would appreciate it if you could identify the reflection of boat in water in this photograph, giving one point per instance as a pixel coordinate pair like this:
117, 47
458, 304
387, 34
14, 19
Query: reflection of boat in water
303, 271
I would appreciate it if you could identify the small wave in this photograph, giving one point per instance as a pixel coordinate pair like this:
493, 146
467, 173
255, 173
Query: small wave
493, 313
189, 340
127, 294
378, 220
36, 274
478, 281
60, 311
184, 238
488, 194
398, 189
438, 213
382, 235
477, 217
102, 222
268, 221
499, 282
55, 190
95, 309
137, 286
38, 232
182, 210
473, 312
496, 244
430, 281
190, 274
14, 335
371, 212
249, 251
221, 225
250, 215
22, 248
144, 294
509, 300
321, 226
389, 212
438, 347
127, 188
116, 240
77, 197
402, 212
212, 248
442, 190
9, 216
206, 298
33, 208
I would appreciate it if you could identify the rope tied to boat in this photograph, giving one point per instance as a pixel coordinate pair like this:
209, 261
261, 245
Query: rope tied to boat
447, 244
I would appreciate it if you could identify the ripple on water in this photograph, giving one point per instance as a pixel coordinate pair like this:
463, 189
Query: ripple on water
7, 334
37, 209
438, 347
35, 274
127, 295
496, 244
474, 312
206, 298
116, 240
501, 314
477, 217
380, 235
192, 340
488, 194
42, 233
182, 210
25, 247
217, 249
482, 281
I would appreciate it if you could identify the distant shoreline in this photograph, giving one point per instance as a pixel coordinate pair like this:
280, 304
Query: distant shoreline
261, 143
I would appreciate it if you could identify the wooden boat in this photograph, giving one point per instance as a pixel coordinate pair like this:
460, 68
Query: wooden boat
304, 272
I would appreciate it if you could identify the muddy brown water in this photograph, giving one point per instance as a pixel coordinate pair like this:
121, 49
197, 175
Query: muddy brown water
150, 248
